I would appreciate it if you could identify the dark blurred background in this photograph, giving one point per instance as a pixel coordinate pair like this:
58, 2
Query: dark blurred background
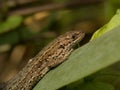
26, 26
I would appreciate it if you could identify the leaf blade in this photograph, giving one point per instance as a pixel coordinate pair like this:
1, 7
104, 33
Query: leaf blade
94, 56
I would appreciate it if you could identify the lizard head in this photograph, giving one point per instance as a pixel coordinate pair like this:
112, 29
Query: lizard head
71, 38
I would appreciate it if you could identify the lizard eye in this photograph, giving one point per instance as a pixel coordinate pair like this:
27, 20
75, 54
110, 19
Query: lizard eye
62, 46
74, 36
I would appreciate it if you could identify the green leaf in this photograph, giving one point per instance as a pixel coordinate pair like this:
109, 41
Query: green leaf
91, 86
88, 85
92, 57
114, 22
11, 23
9, 38
96, 86
14, 21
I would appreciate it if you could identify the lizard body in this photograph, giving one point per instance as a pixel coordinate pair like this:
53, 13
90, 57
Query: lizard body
52, 55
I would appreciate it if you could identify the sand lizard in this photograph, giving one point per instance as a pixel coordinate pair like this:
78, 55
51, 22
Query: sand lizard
52, 55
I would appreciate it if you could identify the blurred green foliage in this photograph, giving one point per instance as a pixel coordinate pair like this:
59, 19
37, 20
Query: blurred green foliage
114, 22
11, 23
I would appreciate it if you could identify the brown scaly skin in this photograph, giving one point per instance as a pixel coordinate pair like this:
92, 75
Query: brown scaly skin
52, 55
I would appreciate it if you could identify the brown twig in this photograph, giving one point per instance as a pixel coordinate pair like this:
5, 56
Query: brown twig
14, 3
53, 7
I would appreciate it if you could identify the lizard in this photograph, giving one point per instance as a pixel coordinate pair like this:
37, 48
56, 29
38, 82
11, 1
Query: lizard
51, 56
